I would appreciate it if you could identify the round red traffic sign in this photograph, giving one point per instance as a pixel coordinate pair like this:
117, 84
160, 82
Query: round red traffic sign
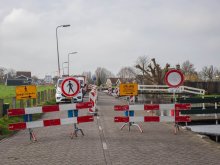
70, 87
174, 78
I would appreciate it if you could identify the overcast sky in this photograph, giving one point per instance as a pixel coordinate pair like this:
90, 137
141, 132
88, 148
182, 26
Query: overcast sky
107, 33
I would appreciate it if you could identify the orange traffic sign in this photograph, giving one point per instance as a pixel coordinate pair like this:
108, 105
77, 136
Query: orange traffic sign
26, 92
128, 89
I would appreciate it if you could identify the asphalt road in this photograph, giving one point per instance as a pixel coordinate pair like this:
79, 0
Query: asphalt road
104, 143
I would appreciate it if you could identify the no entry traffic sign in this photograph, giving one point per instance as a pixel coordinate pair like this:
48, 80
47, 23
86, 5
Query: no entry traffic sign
174, 78
70, 87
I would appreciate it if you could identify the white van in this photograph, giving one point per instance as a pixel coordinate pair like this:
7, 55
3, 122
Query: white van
61, 98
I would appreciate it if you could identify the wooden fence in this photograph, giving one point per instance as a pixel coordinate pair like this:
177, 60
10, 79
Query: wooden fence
42, 97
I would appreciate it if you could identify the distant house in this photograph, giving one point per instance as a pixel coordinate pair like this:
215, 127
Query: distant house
48, 79
20, 79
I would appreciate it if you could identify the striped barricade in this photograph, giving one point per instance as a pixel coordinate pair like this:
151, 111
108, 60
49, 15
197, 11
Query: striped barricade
93, 94
50, 122
152, 107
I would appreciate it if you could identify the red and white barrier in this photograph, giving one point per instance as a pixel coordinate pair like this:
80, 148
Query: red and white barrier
152, 119
51, 122
161, 107
93, 99
49, 108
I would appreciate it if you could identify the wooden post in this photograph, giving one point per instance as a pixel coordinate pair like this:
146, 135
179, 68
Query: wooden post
42, 96
1, 107
35, 102
49, 94
45, 95
13, 102
38, 98
29, 103
21, 103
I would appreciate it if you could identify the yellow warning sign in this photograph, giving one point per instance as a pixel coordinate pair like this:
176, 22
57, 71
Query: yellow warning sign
128, 89
26, 92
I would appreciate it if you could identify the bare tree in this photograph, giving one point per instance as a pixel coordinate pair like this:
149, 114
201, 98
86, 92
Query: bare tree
189, 71
2, 74
217, 74
88, 76
126, 72
152, 72
11, 73
142, 64
208, 73
102, 74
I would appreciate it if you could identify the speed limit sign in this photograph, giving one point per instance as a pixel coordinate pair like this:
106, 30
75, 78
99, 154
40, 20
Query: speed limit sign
174, 78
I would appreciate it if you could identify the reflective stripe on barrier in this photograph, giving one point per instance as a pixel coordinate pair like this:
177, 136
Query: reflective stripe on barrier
49, 108
50, 122
152, 119
148, 107
162, 107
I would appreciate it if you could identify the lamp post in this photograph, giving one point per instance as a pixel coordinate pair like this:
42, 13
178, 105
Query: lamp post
69, 61
63, 67
58, 58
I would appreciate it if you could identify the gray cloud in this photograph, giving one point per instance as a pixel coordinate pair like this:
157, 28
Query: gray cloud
109, 34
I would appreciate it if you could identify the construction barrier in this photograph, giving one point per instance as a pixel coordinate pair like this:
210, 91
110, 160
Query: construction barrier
29, 124
93, 95
129, 118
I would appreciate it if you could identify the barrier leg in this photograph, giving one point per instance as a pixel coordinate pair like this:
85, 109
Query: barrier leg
130, 113
32, 135
28, 118
176, 128
76, 129
137, 125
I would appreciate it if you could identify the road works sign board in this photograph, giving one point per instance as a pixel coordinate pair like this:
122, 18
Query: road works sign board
174, 78
26, 92
70, 87
128, 89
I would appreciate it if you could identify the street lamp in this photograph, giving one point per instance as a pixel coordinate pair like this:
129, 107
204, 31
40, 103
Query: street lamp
69, 61
63, 67
58, 47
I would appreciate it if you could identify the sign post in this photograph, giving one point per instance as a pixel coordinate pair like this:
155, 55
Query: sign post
70, 87
174, 78
27, 92
130, 90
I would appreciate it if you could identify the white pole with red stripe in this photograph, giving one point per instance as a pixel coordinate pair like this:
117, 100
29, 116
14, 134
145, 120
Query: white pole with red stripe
93, 99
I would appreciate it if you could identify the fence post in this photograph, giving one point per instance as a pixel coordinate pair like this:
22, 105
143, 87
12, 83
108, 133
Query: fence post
1, 106
42, 96
34, 102
38, 98
29, 103
45, 95
49, 94
13, 102
21, 103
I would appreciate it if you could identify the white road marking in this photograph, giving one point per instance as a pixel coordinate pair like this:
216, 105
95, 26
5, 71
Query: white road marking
97, 117
100, 128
